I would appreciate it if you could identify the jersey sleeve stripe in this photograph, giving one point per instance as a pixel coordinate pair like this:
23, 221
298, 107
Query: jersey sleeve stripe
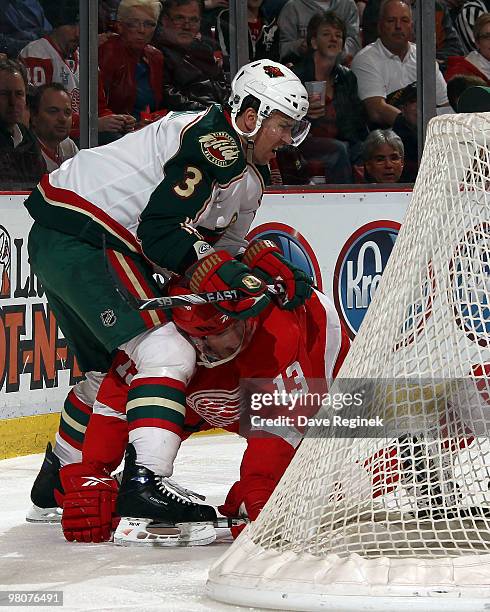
65, 198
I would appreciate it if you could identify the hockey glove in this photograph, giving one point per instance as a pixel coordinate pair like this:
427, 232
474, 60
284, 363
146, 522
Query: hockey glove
218, 271
265, 257
263, 464
246, 500
90, 503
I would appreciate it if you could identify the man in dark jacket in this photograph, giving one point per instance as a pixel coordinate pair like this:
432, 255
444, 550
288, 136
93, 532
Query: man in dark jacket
193, 79
21, 163
263, 33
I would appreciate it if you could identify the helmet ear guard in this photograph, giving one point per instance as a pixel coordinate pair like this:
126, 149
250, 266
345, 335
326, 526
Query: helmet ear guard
276, 88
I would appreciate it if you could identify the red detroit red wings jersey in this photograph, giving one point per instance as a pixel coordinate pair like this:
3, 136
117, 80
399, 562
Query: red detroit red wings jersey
288, 348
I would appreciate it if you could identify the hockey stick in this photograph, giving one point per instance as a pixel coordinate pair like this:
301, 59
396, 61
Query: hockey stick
165, 302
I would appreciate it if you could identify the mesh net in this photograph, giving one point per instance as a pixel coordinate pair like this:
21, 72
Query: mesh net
421, 491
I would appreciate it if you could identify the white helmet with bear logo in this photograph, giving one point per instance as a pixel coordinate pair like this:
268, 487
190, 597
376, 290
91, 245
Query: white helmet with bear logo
278, 89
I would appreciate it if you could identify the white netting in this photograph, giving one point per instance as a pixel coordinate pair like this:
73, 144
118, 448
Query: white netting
405, 515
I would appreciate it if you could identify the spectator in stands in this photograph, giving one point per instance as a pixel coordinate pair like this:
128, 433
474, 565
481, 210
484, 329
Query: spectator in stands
338, 126
293, 24
192, 78
107, 15
466, 20
210, 9
51, 118
131, 69
390, 64
448, 42
460, 83
272, 8
361, 5
21, 163
20, 22
263, 34
454, 7
54, 59
405, 100
383, 155
477, 62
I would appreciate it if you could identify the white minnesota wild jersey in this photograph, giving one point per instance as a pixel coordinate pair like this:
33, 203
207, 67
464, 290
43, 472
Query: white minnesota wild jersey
159, 190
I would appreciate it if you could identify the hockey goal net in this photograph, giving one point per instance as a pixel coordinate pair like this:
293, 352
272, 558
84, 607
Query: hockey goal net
399, 521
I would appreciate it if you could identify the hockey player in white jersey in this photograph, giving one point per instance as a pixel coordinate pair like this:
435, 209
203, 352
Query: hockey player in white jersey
180, 194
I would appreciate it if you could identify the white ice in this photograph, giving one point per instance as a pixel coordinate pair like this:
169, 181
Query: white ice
105, 577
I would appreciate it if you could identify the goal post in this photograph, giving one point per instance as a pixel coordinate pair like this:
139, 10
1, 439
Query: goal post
398, 521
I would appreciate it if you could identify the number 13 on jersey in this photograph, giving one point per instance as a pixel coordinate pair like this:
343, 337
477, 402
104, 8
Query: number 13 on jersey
294, 379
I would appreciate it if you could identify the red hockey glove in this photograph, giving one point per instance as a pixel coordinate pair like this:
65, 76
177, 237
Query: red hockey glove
264, 257
246, 499
89, 504
263, 464
218, 271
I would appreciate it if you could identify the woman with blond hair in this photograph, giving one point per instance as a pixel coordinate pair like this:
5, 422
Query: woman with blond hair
131, 68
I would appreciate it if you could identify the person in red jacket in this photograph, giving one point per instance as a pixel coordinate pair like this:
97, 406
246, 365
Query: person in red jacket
476, 63
131, 68
229, 351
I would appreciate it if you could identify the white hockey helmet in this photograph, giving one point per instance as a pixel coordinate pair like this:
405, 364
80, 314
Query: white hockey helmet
278, 89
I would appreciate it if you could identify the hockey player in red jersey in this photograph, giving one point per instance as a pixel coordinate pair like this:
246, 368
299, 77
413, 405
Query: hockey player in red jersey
179, 194
228, 351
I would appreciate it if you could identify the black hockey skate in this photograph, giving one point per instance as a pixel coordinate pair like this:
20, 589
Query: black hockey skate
156, 511
45, 508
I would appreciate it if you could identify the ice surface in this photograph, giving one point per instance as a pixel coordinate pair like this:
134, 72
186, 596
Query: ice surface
103, 576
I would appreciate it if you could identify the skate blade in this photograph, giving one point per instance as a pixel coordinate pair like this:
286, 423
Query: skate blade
146, 532
36, 514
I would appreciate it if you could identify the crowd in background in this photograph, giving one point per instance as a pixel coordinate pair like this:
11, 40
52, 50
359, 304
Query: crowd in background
357, 60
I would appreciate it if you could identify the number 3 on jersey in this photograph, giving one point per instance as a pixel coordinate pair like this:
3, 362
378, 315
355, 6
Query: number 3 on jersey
186, 187
295, 372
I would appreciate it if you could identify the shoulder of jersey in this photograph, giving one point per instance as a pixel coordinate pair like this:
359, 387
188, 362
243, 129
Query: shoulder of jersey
41, 44
217, 142
273, 346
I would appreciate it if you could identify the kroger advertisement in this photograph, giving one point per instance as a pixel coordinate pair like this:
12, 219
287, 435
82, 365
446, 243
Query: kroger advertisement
342, 239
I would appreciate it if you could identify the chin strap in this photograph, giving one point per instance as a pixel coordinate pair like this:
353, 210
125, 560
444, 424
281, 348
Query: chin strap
204, 360
209, 361
249, 151
248, 137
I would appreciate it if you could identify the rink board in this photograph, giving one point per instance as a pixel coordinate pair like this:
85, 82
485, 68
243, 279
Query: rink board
320, 229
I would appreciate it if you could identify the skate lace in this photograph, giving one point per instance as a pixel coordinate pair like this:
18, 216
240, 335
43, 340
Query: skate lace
175, 491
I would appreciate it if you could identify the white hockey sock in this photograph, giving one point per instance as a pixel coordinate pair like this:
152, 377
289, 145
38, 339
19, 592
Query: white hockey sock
156, 449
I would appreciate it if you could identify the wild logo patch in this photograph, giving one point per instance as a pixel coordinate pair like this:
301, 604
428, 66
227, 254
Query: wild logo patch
251, 282
219, 148
273, 71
